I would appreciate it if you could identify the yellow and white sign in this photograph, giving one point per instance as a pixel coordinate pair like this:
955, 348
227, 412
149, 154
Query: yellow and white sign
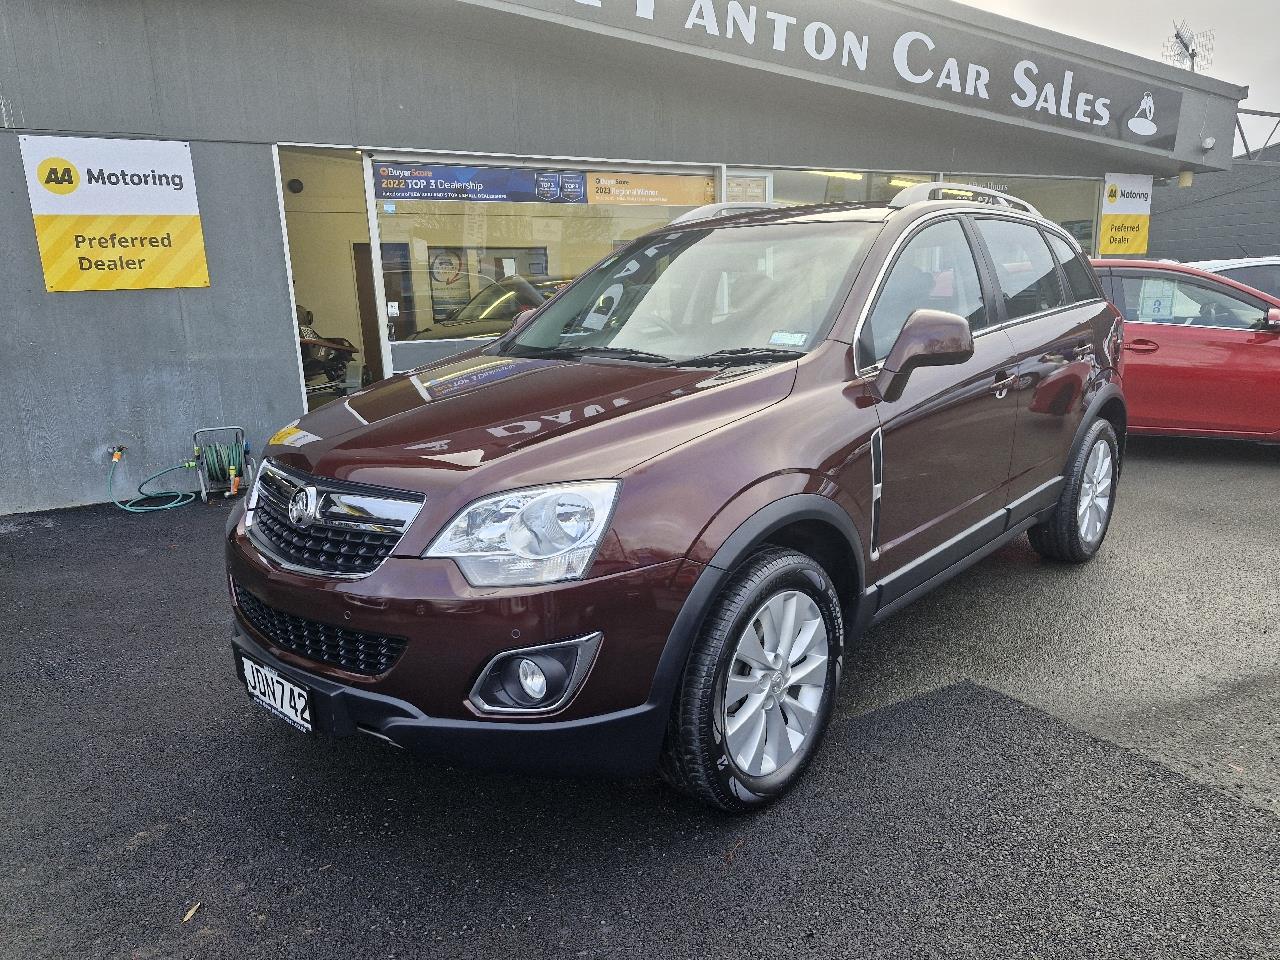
663, 190
115, 214
1126, 215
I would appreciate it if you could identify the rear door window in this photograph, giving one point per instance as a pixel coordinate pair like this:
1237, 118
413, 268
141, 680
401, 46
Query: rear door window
1077, 273
1025, 268
935, 271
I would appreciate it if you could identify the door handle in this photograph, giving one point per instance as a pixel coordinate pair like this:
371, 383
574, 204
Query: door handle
1142, 346
1001, 387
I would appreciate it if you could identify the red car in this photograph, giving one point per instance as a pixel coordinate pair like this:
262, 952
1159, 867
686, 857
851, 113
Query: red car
1202, 352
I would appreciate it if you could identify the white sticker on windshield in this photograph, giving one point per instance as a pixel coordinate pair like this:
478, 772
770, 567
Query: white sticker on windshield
788, 338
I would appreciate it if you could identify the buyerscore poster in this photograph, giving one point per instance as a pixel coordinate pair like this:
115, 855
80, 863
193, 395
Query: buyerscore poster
115, 214
395, 180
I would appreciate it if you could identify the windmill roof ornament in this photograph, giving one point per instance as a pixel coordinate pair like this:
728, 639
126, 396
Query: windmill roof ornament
1189, 48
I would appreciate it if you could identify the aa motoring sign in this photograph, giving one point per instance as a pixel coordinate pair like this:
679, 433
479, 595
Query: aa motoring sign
1125, 222
115, 214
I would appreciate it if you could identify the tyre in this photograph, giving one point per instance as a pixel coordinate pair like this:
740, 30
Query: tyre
1078, 525
759, 686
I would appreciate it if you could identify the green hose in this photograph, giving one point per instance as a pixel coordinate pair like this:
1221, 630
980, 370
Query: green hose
220, 459
176, 498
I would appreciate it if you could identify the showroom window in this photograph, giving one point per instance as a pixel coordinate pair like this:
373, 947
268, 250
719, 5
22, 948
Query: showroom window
819, 186
1070, 203
466, 249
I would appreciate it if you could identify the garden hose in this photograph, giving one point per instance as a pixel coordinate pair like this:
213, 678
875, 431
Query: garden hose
223, 463
173, 498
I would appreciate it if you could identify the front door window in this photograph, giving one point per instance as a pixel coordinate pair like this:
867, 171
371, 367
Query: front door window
1163, 298
934, 271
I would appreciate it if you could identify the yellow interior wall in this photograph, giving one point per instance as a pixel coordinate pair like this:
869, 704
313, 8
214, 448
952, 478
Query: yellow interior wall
323, 221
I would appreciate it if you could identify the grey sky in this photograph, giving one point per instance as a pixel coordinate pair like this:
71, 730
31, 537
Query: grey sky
1246, 48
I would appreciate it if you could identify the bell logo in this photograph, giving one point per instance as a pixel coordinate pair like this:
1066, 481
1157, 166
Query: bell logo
1113, 193
58, 176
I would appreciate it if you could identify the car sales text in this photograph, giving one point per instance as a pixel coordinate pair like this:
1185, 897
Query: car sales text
915, 56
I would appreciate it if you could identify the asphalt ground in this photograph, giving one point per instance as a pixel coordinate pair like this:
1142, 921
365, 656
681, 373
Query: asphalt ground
1034, 761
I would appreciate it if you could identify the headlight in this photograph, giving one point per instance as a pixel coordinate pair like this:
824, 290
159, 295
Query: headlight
527, 537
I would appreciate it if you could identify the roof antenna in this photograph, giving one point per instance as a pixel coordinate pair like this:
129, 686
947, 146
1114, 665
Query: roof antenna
1188, 48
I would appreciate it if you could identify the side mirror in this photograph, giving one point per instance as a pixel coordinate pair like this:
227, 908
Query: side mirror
929, 338
1273, 319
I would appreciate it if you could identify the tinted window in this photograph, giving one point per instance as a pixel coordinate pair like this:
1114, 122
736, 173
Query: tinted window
1156, 298
935, 270
1079, 276
1028, 276
1260, 276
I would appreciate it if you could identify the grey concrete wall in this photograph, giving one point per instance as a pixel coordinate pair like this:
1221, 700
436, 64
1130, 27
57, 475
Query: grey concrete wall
439, 74
1221, 216
80, 372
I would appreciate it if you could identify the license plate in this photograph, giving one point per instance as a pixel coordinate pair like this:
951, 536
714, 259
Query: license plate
288, 701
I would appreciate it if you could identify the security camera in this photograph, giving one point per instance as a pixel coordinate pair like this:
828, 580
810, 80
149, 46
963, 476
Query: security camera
1208, 143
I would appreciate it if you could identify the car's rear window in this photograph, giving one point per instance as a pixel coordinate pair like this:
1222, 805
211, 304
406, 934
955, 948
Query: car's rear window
1078, 273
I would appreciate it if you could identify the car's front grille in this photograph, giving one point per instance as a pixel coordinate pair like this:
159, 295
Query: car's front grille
348, 531
355, 651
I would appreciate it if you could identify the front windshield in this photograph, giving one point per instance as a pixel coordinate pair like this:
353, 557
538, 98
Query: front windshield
769, 290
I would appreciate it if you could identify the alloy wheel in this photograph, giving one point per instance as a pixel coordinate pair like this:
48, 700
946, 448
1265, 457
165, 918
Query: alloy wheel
775, 683
1095, 493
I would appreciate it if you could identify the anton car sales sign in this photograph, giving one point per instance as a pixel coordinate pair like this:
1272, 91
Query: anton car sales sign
115, 214
893, 50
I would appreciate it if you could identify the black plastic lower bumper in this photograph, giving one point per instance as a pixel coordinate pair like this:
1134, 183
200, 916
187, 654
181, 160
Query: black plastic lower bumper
625, 743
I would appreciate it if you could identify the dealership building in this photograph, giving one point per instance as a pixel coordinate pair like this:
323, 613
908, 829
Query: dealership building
202, 205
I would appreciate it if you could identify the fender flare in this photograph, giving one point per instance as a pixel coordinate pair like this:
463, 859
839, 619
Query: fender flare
731, 554
1107, 391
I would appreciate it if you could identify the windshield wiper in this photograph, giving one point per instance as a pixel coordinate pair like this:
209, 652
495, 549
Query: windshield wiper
617, 353
569, 352
749, 354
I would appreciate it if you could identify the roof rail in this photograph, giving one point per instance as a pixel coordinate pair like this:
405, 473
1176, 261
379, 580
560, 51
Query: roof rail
920, 192
727, 209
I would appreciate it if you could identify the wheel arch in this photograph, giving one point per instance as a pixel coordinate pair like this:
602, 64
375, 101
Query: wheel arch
1108, 404
1114, 411
807, 522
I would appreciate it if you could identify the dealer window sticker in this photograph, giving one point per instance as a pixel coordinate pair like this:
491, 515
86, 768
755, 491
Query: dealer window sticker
1156, 299
788, 338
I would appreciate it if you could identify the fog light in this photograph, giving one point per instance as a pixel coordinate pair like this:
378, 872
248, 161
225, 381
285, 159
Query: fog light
532, 680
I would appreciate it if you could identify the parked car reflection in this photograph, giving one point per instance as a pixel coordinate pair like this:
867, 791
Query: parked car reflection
492, 311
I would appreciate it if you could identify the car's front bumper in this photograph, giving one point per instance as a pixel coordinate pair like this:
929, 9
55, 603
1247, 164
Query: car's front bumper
622, 743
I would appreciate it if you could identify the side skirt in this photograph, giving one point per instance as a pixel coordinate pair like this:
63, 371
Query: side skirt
945, 561
956, 568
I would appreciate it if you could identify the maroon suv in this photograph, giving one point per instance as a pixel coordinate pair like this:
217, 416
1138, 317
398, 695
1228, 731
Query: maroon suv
642, 529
